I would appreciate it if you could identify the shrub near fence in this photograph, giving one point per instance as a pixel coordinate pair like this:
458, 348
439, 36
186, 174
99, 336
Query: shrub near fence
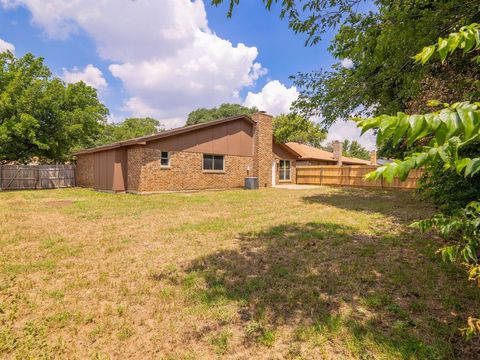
351, 176
23, 177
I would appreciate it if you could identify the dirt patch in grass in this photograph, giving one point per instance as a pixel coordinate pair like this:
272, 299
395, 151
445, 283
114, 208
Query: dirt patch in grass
321, 273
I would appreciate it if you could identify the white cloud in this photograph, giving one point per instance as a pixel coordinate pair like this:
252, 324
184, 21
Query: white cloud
275, 98
5, 45
347, 63
342, 130
90, 75
207, 73
168, 59
124, 30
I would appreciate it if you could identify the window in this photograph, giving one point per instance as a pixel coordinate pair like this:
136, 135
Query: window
284, 170
213, 162
165, 159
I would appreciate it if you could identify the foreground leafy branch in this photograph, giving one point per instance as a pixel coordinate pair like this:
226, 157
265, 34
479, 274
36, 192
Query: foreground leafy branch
466, 39
462, 230
440, 136
448, 130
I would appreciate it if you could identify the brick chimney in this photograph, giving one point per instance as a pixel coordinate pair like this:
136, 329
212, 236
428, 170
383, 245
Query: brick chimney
373, 157
337, 151
262, 148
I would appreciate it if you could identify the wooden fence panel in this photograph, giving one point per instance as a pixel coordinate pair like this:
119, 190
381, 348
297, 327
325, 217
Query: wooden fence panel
351, 176
22, 177
331, 175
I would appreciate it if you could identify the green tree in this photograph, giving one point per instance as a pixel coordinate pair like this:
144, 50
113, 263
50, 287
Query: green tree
40, 116
291, 127
354, 149
225, 110
351, 149
449, 137
383, 78
130, 128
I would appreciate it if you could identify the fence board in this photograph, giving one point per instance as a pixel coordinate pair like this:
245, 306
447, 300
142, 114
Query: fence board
351, 176
22, 177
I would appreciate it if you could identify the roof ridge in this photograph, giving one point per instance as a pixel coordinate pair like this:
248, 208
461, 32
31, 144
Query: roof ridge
179, 130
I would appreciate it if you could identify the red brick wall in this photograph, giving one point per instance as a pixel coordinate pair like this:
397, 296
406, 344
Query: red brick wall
263, 155
145, 174
84, 171
134, 167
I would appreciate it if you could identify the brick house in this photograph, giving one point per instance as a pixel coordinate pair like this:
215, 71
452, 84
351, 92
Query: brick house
215, 155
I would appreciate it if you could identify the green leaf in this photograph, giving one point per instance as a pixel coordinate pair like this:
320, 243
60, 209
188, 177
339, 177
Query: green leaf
417, 125
443, 154
443, 49
390, 172
429, 51
453, 42
402, 127
467, 121
367, 124
420, 159
434, 103
404, 168
472, 167
441, 133
461, 164
433, 121
469, 41
453, 123
374, 175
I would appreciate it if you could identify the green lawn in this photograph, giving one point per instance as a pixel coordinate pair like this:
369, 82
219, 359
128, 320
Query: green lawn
269, 274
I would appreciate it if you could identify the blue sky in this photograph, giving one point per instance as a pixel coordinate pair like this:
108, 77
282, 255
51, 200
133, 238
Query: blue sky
280, 49
166, 58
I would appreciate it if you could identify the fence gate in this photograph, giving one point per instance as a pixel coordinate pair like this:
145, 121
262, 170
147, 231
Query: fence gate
22, 177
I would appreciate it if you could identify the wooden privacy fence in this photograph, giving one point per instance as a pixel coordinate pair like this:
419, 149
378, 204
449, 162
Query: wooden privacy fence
22, 177
351, 176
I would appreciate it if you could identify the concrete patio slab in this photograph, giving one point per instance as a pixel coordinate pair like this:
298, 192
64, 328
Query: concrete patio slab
296, 187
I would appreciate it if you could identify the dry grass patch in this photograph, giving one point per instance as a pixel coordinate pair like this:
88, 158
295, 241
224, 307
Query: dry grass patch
312, 274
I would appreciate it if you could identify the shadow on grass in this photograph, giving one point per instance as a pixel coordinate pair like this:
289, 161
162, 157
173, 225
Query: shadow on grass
408, 204
365, 294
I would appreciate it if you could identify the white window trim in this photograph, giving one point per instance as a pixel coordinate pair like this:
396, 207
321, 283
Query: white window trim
213, 161
289, 171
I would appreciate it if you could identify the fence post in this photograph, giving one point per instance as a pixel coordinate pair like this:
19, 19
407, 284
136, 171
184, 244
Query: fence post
1, 177
36, 172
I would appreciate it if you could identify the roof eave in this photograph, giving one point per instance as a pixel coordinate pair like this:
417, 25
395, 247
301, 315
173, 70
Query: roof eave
288, 148
143, 140
317, 159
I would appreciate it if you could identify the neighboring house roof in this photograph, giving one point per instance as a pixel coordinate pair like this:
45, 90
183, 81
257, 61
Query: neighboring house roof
383, 161
312, 153
181, 130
